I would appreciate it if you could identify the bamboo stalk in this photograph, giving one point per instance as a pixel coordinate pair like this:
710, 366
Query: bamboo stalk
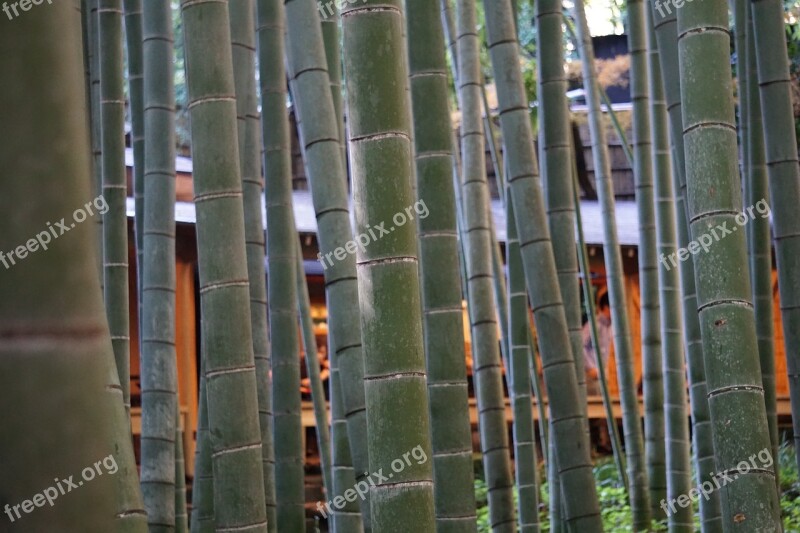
623, 350
567, 416
666, 37
319, 128
380, 146
159, 373
679, 475
56, 363
454, 495
230, 368
312, 370
723, 287
784, 179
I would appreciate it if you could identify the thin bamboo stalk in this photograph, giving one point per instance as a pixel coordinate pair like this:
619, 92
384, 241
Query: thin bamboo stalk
348, 518
451, 436
678, 456
623, 350
115, 220
784, 179
758, 235
312, 370
568, 419
158, 369
666, 36
487, 368
319, 128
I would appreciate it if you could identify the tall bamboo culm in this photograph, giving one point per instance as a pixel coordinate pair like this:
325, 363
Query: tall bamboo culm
53, 333
571, 444
519, 385
735, 391
96, 120
318, 126
282, 289
676, 430
487, 366
115, 219
651, 353
665, 25
441, 279
381, 148
784, 179
756, 187
133, 40
159, 374
202, 519
268, 39
348, 518
555, 133
623, 350
230, 369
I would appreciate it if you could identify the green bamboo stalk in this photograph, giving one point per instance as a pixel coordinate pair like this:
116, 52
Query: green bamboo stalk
588, 301
96, 129
348, 518
330, 36
312, 369
388, 281
159, 374
557, 171
230, 368
252, 187
650, 334
520, 385
784, 179
498, 276
568, 419
133, 39
676, 434
441, 280
202, 520
723, 287
319, 128
666, 36
626, 147
181, 516
741, 31
487, 368
538, 397
115, 220
637, 475
281, 257
758, 235
54, 336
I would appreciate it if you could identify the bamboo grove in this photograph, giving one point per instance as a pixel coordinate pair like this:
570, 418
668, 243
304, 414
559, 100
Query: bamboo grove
391, 108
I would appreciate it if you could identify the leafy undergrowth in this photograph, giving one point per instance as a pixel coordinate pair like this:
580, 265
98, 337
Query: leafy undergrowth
616, 511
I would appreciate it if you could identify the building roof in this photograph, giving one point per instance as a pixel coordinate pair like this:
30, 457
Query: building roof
626, 216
